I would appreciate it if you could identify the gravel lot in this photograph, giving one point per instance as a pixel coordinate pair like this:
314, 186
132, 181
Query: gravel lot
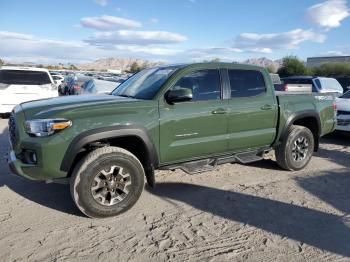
235, 213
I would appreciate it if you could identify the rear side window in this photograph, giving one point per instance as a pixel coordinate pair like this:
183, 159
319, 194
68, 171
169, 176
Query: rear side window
24, 77
246, 83
205, 84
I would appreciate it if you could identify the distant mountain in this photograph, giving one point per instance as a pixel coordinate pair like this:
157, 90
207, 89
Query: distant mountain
265, 62
115, 63
125, 63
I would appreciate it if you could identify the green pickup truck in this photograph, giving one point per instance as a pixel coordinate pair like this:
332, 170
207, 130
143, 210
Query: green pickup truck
187, 116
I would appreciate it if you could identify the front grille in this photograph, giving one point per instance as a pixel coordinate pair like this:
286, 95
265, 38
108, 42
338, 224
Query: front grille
12, 129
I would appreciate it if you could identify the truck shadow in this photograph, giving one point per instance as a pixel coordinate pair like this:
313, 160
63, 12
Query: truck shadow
54, 196
340, 157
332, 188
319, 229
338, 138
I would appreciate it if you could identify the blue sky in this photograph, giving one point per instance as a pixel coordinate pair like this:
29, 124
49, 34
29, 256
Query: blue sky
174, 31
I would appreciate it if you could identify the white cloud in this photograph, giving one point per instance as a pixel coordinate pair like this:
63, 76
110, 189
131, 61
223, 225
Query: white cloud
328, 14
154, 20
267, 43
135, 38
23, 47
153, 50
117, 8
264, 50
16, 47
336, 53
343, 50
13, 35
107, 22
209, 53
101, 2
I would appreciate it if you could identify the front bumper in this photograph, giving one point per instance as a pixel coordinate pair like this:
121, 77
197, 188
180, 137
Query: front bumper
16, 166
343, 122
343, 128
49, 152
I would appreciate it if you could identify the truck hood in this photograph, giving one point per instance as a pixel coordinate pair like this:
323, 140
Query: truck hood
54, 106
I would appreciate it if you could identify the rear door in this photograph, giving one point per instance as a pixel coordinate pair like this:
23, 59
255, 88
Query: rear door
197, 128
252, 118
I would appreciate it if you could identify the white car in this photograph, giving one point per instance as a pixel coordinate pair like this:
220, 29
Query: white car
343, 107
22, 84
58, 79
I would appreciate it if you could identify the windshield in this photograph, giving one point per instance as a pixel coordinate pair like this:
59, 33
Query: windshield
145, 84
24, 77
346, 95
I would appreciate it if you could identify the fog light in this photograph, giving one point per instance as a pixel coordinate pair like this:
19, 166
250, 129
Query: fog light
30, 157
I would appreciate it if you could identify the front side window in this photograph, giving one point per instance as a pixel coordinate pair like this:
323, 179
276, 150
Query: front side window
246, 83
205, 84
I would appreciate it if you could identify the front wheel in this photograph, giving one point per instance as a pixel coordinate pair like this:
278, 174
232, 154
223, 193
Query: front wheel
107, 182
295, 152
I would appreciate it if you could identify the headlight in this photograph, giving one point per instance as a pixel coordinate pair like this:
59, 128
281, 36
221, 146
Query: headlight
46, 127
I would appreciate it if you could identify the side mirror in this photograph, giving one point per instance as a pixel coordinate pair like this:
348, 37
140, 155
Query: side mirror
179, 95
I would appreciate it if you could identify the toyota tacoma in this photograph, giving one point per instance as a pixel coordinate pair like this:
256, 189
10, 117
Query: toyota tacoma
188, 116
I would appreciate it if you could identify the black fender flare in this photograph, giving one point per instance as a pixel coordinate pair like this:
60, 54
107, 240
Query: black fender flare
90, 136
298, 116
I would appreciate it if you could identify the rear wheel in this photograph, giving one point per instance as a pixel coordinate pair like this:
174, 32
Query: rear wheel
295, 152
107, 182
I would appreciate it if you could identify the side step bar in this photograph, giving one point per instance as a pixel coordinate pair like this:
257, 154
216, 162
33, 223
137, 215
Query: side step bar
204, 165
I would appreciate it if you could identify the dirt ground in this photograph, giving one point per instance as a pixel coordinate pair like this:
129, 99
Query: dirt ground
255, 212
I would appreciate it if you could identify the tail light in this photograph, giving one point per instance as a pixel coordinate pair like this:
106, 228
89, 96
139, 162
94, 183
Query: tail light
334, 106
335, 109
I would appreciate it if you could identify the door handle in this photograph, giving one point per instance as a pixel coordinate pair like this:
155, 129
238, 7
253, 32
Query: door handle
219, 111
266, 107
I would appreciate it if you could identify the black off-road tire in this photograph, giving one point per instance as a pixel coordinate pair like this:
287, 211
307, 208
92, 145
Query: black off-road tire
284, 151
81, 184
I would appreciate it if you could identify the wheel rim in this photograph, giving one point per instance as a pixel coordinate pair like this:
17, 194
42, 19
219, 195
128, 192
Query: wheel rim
111, 187
300, 149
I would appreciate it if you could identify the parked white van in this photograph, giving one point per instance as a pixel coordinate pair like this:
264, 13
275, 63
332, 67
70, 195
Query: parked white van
22, 84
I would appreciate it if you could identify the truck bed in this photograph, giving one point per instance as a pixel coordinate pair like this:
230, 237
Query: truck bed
296, 103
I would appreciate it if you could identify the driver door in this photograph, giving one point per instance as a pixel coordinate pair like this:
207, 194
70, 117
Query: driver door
198, 128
